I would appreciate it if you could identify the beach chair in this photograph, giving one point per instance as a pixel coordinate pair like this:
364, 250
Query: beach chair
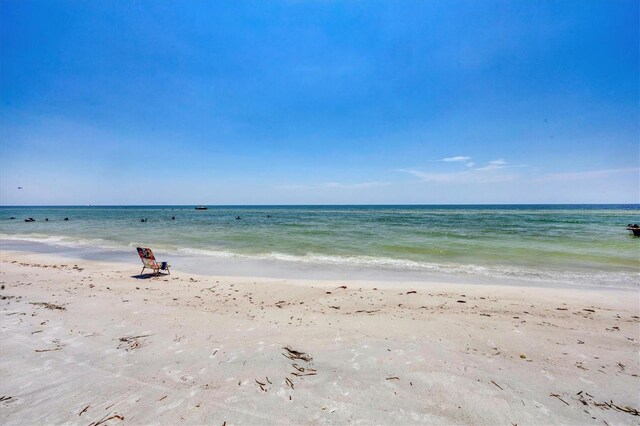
149, 261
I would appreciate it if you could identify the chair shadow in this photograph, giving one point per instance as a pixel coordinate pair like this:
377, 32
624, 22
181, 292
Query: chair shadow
145, 276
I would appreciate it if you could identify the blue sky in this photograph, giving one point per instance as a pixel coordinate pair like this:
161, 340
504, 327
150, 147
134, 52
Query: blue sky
294, 102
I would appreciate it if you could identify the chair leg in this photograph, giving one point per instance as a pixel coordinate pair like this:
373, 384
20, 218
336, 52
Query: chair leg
142, 270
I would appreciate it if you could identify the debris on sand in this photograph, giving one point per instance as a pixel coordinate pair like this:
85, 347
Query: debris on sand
49, 305
262, 385
302, 371
588, 400
555, 395
497, 385
294, 354
367, 312
49, 350
133, 342
106, 418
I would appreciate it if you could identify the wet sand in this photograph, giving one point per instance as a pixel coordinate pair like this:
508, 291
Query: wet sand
93, 343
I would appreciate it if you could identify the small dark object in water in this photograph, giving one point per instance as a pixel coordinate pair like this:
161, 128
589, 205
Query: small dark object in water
30, 220
173, 218
635, 229
268, 216
66, 218
238, 218
201, 208
46, 219
143, 220
11, 218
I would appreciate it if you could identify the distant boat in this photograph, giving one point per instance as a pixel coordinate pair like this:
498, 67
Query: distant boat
201, 208
635, 229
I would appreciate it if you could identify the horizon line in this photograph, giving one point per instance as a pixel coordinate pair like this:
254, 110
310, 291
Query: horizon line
319, 205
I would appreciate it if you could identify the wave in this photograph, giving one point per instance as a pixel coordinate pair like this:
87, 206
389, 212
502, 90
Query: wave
587, 279
63, 241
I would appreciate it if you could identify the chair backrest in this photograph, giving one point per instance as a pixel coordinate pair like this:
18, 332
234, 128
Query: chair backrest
146, 255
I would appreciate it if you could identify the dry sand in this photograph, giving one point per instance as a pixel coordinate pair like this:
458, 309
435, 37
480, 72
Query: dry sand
86, 342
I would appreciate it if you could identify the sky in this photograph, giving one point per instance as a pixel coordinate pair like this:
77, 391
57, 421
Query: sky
319, 102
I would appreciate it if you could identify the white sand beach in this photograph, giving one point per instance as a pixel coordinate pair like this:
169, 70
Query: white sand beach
85, 342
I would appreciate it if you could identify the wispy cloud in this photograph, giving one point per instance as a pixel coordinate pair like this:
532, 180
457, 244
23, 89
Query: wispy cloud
455, 159
335, 185
499, 164
585, 175
467, 176
489, 173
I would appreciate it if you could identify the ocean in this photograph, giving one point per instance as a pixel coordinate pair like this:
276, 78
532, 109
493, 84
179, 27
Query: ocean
582, 245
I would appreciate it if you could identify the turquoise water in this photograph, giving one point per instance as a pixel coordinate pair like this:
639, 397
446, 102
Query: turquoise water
571, 243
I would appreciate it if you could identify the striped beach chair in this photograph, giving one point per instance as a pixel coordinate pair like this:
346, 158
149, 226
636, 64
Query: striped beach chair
149, 261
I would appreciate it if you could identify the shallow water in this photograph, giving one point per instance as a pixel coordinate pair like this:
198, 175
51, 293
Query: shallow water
578, 244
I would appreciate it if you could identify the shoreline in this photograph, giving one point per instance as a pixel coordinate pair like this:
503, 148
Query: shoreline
188, 348
274, 268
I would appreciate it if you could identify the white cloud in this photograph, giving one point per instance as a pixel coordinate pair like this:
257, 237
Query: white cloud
499, 162
454, 159
470, 164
